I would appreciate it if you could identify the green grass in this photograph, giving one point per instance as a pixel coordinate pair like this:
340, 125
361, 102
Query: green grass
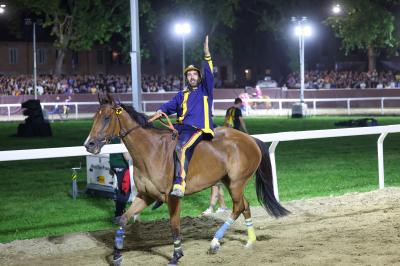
35, 198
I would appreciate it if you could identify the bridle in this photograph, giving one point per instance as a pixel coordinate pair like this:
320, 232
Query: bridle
122, 133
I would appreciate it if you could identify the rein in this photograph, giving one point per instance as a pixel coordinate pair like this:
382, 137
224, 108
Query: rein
123, 134
167, 125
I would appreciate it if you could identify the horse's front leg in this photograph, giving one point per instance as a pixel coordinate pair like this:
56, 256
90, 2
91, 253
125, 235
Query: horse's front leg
174, 206
138, 205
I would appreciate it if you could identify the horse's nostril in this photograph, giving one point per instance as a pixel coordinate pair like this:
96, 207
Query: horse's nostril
90, 144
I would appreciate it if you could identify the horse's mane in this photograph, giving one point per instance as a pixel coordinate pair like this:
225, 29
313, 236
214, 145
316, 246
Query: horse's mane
140, 118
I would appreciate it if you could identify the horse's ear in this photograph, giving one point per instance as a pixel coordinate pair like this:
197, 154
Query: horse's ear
101, 98
110, 99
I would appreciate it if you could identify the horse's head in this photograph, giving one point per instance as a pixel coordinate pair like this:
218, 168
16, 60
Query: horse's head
105, 125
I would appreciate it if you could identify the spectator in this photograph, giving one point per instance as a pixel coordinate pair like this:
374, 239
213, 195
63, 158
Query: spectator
234, 118
217, 194
119, 167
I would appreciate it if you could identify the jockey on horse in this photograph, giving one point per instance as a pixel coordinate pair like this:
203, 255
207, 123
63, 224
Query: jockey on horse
193, 108
232, 157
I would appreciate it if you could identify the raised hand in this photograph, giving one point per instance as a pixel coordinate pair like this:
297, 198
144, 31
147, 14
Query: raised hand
206, 50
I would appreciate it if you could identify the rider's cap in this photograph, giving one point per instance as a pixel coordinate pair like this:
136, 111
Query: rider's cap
191, 68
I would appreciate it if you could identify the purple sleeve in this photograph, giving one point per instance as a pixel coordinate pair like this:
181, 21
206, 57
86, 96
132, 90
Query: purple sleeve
171, 107
208, 79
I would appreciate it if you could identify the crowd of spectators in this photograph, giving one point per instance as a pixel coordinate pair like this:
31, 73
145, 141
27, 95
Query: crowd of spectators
345, 79
154, 83
49, 84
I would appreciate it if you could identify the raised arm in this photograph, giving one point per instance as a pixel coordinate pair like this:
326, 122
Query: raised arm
207, 65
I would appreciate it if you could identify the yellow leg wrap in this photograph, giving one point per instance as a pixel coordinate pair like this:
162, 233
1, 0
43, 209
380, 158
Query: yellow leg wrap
180, 186
251, 234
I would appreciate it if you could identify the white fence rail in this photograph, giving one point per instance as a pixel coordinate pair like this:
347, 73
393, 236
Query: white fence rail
274, 138
314, 102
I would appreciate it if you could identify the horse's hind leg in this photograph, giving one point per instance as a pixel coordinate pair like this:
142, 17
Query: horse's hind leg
249, 224
175, 222
236, 191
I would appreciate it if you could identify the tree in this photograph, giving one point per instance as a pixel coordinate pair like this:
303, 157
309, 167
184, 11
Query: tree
78, 24
146, 24
367, 25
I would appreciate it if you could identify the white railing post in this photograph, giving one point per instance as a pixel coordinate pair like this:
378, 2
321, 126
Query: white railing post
315, 107
144, 106
280, 107
271, 149
381, 169
76, 111
348, 107
9, 112
382, 106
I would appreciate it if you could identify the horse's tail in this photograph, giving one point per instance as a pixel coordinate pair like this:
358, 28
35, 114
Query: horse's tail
265, 186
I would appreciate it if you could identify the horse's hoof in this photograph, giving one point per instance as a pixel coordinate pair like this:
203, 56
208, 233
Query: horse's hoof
173, 262
215, 246
249, 245
117, 261
117, 258
175, 257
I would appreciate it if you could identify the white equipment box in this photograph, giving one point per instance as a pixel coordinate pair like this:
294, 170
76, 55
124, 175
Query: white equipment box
99, 180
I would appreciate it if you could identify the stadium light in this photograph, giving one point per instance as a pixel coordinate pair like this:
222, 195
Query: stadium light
304, 30
2, 8
336, 9
183, 29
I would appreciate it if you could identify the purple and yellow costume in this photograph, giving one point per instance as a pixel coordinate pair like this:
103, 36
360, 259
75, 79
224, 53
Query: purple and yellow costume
194, 121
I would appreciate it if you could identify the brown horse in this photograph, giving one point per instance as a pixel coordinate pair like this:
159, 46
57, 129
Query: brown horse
231, 156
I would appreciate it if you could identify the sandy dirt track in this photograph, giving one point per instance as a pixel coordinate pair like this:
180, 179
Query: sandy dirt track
354, 229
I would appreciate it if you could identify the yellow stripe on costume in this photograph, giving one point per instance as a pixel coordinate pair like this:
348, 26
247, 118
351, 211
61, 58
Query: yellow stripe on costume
183, 155
210, 64
206, 128
231, 115
184, 106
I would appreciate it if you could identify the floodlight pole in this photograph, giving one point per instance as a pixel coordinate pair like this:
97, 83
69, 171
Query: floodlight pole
299, 109
34, 61
301, 48
135, 57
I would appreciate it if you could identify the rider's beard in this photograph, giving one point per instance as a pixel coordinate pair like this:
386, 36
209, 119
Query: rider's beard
193, 83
